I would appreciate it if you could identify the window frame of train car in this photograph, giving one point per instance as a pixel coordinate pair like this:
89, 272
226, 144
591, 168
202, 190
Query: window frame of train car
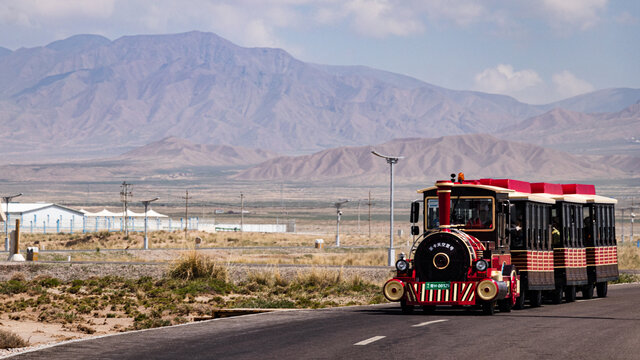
536, 236
603, 234
572, 236
430, 200
495, 239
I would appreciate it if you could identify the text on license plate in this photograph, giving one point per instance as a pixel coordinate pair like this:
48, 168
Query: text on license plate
437, 285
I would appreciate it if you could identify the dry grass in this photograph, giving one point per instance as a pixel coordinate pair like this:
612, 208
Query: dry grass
9, 340
628, 257
194, 287
176, 239
193, 265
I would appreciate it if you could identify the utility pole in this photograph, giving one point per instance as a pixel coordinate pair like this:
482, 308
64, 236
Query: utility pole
369, 203
622, 225
6, 221
186, 214
633, 215
125, 194
241, 213
359, 216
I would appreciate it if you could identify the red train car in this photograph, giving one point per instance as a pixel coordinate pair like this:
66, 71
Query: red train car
499, 242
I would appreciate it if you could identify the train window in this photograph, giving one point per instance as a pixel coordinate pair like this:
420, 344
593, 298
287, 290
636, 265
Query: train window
432, 214
536, 226
545, 227
587, 225
579, 226
529, 226
573, 226
473, 212
613, 225
600, 225
609, 225
605, 224
516, 228
556, 238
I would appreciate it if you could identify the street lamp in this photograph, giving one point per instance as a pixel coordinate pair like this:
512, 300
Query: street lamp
146, 206
338, 205
6, 221
390, 160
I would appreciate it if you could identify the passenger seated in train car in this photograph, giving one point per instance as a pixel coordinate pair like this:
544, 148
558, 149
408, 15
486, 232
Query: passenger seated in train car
587, 227
517, 235
482, 218
555, 233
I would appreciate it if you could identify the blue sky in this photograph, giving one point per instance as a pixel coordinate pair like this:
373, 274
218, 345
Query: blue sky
537, 51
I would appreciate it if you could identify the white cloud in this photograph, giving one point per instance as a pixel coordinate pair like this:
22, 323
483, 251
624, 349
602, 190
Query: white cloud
504, 80
45, 9
380, 18
568, 85
582, 13
461, 12
529, 87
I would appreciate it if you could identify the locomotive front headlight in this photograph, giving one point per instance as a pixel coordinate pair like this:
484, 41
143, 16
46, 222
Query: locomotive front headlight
481, 265
402, 265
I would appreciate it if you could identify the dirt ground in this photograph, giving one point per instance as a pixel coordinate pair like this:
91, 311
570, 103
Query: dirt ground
30, 325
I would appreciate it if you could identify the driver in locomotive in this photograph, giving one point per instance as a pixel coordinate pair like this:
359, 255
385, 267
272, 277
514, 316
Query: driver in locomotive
482, 220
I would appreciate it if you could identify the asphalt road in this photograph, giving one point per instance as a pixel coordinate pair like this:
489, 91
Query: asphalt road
592, 329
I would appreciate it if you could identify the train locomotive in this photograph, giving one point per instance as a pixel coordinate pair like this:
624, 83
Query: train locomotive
500, 242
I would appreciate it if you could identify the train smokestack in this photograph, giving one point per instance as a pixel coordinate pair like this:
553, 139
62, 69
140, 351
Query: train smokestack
444, 201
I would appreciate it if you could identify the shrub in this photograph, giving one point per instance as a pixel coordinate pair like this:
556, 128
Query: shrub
13, 287
9, 340
193, 265
627, 278
49, 282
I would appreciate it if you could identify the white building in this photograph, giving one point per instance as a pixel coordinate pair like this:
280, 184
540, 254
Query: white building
46, 216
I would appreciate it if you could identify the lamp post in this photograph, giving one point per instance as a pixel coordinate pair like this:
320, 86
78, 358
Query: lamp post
146, 206
391, 160
6, 221
338, 205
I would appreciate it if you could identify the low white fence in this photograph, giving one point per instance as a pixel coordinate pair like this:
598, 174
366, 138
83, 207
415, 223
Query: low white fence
136, 224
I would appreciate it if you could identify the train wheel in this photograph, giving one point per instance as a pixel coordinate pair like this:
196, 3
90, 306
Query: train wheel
429, 309
587, 291
535, 298
489, 307
556, 295
406, 309
570, 293
520, 301
602, 288
505, 305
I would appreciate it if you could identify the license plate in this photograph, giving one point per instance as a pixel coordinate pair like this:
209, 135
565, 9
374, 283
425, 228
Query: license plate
437, 285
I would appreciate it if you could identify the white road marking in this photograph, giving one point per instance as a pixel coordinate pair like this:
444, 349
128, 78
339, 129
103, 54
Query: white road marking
429, 323
588, 299
370, 340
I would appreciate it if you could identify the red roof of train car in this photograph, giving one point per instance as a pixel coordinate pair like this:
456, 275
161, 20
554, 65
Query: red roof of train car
535, 188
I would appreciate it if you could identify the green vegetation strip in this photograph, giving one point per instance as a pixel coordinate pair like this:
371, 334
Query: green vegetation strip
195, 288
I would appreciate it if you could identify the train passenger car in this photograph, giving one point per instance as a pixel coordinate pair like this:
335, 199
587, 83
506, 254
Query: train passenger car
498, 242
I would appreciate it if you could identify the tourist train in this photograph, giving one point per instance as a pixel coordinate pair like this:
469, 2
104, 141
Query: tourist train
500, 242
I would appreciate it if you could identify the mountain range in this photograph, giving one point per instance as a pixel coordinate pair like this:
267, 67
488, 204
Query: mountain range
479, 155
152, 106
88, 96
